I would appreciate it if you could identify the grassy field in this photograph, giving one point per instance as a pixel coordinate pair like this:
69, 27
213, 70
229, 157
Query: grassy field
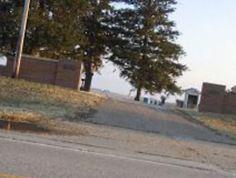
46, 105
224, 124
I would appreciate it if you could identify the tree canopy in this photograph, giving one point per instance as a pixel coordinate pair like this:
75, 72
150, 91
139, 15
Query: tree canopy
144, 46
72, 29
140, 40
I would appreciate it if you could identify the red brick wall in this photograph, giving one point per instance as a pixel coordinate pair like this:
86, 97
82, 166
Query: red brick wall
215, 99
212, 98
230, 103
68, 74
56, 72
42, 71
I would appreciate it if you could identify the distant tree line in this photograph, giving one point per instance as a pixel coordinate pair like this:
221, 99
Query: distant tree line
138, 37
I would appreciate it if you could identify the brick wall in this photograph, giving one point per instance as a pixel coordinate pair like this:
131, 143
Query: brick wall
212, 98
230, 103
68, 74
215, 99
63, 73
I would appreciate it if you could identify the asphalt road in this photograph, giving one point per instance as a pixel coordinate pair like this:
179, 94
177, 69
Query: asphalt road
37, 159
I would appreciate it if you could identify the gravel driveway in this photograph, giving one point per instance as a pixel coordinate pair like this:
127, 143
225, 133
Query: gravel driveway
125, 113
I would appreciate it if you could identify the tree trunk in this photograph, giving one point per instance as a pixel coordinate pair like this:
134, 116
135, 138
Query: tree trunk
138, 95
88, 76
88, 81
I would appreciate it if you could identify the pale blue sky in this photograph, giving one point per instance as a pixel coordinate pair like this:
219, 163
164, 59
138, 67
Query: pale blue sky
208, 35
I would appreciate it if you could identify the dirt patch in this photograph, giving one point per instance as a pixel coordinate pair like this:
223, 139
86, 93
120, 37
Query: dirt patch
28, 121
22, 126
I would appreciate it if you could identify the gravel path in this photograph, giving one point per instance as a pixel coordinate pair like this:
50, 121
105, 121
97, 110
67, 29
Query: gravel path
124, 113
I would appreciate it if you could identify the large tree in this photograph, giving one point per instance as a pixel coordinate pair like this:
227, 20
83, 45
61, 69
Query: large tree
9, 13
74, 29
52, 31
144, 46
55, 28
96, 32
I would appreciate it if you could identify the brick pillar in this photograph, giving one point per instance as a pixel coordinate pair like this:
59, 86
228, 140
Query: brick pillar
68, 74
212, 99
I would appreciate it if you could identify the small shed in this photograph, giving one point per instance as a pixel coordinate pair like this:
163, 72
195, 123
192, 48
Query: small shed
191, 98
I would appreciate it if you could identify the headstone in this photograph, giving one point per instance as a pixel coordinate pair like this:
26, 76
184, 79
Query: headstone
233, 89
3, 60
145, 100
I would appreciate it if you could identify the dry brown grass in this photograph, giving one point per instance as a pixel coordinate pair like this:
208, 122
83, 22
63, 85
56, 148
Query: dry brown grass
222, 123
23, 101
2, 175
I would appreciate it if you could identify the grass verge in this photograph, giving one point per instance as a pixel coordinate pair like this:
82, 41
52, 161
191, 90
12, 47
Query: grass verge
221, 123
45, 105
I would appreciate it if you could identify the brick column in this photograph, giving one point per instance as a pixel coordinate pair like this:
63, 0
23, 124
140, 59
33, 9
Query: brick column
68, 74
212, 99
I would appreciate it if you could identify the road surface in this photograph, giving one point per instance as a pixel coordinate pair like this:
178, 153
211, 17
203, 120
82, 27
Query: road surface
180, 149
37, 159
125, 113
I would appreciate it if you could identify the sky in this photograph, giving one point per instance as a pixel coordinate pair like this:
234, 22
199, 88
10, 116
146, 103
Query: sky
208, 36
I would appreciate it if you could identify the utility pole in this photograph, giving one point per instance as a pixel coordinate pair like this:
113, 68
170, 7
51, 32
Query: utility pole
20, 43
